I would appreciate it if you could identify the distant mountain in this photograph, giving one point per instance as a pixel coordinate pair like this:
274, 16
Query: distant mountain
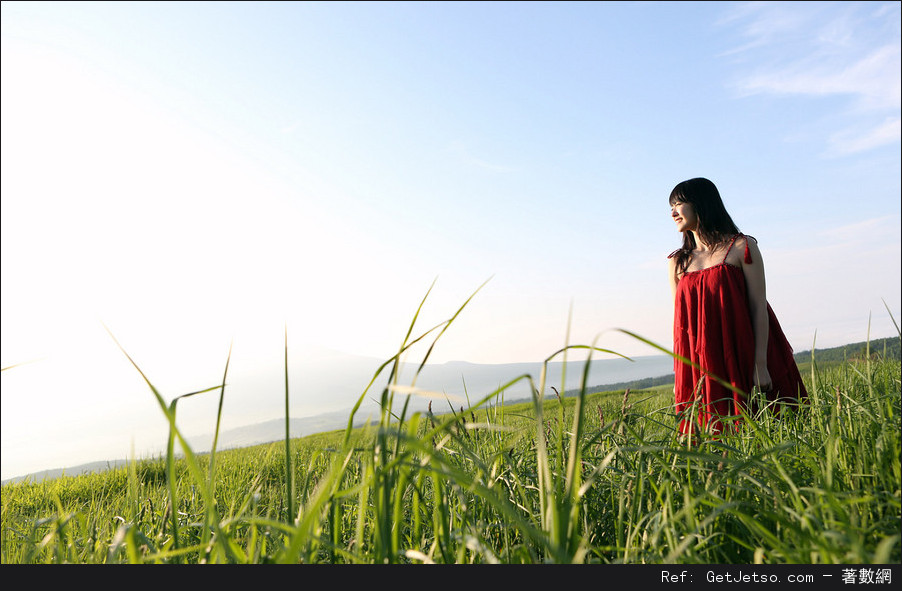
71, 471
273, 430
474, 381
323, 384
246, 436
447, 385
456, 384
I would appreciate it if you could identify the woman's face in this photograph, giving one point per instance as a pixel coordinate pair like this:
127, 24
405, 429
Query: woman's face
684, 215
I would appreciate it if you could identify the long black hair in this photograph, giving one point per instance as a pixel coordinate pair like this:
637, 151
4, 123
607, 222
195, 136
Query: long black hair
714, 223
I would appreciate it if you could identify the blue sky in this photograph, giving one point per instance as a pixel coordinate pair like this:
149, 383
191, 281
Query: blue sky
195, 175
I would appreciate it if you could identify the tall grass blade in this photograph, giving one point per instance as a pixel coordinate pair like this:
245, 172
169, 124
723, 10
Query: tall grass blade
213, 448
289, 468
890, 312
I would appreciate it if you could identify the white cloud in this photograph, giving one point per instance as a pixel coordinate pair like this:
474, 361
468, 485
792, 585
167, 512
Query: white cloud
873, 80
860, 233
851, 141
818, 50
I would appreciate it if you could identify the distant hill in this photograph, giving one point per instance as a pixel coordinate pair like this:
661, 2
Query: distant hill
246, 436
481, 379
274, 430
890, 347
72, 471
632, 385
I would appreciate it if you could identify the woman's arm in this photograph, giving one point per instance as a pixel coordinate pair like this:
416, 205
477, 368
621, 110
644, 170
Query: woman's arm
757, 296
674, 279
672, 274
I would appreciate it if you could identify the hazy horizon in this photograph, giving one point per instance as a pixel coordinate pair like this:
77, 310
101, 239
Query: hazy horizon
452, 382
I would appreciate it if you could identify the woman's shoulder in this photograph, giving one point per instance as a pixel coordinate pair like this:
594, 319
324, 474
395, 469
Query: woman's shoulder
744, 249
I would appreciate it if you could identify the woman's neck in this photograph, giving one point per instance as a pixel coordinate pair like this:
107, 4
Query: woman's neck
701, 244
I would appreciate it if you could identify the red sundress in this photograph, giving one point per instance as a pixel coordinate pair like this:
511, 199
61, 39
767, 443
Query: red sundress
712, 327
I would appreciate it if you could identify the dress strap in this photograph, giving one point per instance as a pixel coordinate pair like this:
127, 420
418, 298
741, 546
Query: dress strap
747, 256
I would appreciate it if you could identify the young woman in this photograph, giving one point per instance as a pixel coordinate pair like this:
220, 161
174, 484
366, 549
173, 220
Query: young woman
722, 322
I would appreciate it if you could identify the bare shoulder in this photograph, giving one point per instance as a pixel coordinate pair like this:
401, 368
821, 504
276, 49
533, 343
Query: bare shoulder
672, 274
672, 266
744, 244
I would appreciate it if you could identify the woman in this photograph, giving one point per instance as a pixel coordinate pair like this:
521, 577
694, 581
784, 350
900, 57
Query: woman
722, 321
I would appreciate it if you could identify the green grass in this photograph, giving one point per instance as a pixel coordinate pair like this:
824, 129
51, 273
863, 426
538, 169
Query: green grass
591, 478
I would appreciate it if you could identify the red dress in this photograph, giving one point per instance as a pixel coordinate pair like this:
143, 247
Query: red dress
712, 328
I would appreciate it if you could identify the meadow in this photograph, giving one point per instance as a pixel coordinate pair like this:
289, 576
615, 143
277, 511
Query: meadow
599, 477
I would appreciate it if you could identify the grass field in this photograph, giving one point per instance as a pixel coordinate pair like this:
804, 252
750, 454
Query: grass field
591, 478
